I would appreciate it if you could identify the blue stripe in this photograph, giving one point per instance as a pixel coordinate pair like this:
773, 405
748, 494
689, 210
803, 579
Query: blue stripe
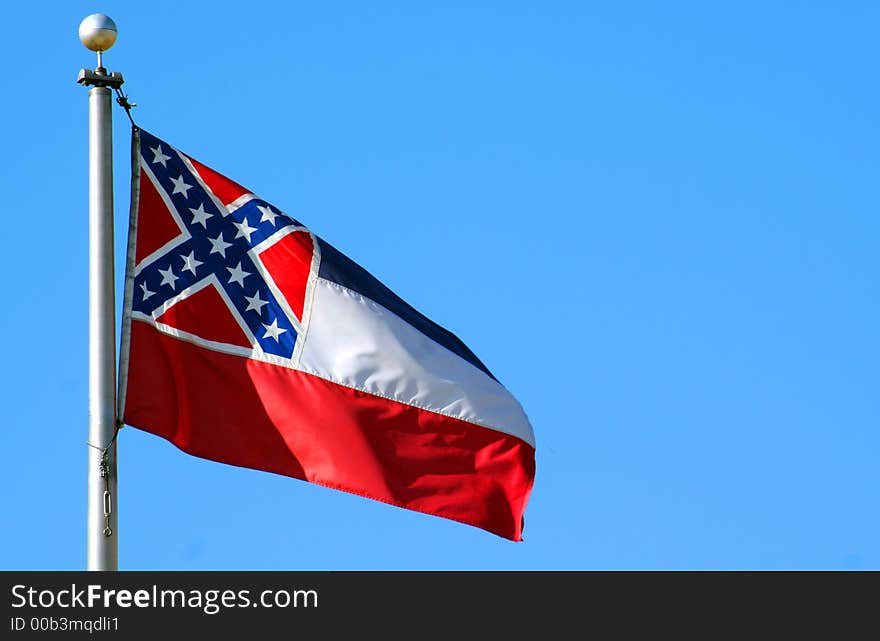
339, 268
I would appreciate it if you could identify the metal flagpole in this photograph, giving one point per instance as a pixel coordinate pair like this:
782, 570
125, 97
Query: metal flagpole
98, 33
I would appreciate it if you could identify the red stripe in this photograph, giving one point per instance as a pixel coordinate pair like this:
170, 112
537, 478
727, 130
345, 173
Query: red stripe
254, 414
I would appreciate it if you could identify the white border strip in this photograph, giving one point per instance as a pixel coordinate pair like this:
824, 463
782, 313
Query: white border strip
125, 338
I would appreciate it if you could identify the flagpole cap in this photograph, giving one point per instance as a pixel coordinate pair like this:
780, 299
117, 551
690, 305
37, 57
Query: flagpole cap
97, 32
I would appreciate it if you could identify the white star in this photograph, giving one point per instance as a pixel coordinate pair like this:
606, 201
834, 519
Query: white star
244, 230
190, 262
200, 215
255, 303
237, 274
158, 156
180, 187
268, 214
273, 330
147, 292
218, 245
168, 277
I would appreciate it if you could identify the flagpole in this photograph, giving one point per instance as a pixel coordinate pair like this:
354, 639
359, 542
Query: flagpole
98, 33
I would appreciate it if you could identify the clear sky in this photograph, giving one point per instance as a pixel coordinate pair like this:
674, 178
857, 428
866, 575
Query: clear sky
656, 222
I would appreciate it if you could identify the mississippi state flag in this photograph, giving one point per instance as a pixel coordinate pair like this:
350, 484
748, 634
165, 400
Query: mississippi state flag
250, 341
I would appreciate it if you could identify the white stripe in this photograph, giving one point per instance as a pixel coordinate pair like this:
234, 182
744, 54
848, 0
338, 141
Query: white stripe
358, 343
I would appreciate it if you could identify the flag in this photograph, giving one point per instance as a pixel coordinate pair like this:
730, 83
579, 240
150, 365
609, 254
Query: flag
250, 341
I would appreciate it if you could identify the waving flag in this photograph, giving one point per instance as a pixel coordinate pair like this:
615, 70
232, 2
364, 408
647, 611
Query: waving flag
251, 341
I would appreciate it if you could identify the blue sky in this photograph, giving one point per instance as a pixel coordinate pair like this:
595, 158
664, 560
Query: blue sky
657, 223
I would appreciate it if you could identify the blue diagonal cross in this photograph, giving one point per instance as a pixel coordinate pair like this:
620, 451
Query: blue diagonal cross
218, 244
